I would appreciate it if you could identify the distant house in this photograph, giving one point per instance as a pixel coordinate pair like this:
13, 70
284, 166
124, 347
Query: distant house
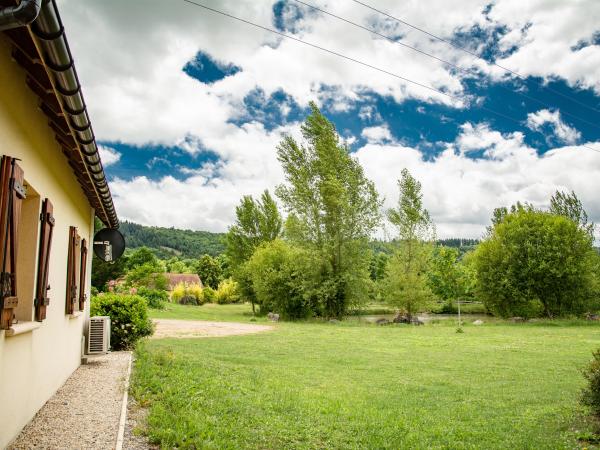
182, 278
52, 184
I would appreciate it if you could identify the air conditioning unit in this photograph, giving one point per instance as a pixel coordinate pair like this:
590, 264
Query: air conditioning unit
98, 339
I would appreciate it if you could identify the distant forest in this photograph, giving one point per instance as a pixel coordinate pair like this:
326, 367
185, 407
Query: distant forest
168, 242
458, 242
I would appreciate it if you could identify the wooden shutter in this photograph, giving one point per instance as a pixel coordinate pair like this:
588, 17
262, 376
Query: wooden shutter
82, 272
12, 194
72, 270
46, 228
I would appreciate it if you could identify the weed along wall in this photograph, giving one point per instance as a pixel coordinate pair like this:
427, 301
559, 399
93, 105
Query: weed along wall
36, 358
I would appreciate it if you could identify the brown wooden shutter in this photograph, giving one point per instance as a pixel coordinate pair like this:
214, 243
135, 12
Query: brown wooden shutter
82, 272
12, 194
72, 270
46, 228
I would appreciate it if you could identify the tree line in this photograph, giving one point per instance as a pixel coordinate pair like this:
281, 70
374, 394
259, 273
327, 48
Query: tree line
322, 262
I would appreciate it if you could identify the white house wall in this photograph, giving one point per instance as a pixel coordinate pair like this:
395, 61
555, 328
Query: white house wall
33, 365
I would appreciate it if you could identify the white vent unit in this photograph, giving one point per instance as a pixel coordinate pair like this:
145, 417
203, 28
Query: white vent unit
98, 341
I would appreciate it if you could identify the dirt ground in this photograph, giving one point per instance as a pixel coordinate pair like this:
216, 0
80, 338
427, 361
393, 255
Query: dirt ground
201, 328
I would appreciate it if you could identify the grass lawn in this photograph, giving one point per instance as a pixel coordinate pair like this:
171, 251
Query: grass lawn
210, 311
350, 385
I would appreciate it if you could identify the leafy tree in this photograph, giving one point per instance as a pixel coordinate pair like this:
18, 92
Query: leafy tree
257, 221
498, 214
536, 263
406, 284
450, 277
377, 266
568, 205
223, 261
333, 208
210, 272
444, 274
141, 256
176, 265
146, 275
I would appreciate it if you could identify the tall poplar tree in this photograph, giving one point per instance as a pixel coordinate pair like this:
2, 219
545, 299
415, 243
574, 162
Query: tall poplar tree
406, 284
257, 222
332, 208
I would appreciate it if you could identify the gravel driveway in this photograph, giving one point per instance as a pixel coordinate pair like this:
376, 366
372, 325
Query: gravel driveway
201, 328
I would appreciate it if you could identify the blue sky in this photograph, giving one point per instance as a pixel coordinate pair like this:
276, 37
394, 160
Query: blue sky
191, 123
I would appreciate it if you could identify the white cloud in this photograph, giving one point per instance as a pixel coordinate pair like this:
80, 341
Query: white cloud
567, 134
547, 33
377, 134
461, 192
481, 137
137, 94
108, 155
206, 199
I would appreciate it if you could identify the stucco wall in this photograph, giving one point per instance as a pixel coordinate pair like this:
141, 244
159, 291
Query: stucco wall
35, 364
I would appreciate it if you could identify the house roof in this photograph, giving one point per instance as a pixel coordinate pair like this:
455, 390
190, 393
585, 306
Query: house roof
41, 48
186, 278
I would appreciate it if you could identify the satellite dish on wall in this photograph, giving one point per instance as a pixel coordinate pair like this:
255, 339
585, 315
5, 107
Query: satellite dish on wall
109, 244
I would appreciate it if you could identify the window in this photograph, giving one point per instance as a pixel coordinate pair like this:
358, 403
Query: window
73, 270
29, 224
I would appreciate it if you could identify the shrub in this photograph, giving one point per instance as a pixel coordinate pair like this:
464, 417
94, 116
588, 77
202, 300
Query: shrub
129, 319
227, 293
591, 394
208, 294
156, 298
187, 294
285, 279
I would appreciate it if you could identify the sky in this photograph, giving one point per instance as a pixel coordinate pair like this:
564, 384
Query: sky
188, 106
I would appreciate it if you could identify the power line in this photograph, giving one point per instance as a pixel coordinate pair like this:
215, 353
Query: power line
340, 55
466, 50
424, 53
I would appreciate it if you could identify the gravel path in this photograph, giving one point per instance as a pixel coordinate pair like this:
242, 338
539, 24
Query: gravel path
85, 412
201, 328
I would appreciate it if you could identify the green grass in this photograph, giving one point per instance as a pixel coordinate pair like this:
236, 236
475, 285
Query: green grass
209, 311
321, 385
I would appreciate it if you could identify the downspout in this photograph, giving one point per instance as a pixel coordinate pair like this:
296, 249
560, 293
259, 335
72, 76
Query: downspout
20, 15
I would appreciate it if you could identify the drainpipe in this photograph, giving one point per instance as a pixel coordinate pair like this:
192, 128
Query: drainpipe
20, 15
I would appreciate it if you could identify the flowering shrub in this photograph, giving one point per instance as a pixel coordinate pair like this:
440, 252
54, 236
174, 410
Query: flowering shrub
129, 319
